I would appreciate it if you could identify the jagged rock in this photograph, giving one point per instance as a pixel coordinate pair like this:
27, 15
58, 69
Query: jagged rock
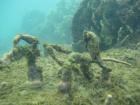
106, 18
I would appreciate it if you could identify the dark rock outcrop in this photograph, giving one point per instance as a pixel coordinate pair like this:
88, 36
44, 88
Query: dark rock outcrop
116, 22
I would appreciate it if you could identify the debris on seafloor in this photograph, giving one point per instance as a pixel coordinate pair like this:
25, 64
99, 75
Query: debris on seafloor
108, 100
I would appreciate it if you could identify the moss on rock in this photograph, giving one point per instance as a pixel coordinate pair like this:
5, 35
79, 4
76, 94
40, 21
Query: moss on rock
123, 85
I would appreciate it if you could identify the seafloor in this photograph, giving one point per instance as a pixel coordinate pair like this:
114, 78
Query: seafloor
124, 85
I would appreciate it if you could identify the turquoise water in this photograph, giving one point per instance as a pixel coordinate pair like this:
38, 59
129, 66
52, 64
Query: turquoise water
12, 13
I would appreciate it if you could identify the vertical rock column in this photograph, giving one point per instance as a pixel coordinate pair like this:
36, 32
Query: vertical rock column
34, 72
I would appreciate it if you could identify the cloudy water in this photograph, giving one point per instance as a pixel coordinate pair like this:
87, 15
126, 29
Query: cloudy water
12, 14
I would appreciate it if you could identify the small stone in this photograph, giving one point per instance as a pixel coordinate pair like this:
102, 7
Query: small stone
64, 87
109, 99
36, 84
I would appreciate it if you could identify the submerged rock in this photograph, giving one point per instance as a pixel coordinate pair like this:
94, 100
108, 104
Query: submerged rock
64, 87
35, 73
109, 100
36, 84
116, 22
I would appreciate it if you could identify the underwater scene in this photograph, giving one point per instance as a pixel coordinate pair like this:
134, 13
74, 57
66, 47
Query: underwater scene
70, 52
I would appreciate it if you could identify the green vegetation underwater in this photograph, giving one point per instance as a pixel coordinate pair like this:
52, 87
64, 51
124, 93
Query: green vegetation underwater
70, 52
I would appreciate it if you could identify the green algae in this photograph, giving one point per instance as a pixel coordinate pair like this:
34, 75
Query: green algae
123, 85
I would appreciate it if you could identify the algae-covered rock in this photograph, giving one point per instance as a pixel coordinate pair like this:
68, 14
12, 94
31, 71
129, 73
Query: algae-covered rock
116, 22
123, 85
64, 87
